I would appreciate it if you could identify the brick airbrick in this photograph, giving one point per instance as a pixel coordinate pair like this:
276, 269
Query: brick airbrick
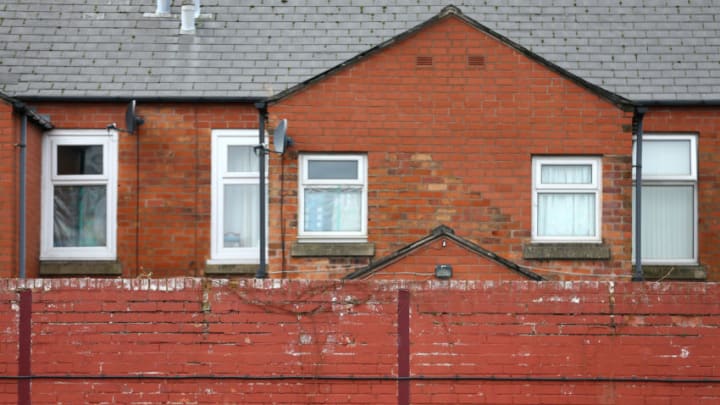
476, 61
424, 61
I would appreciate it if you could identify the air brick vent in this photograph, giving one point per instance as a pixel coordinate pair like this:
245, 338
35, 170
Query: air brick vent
476, 61
424, 61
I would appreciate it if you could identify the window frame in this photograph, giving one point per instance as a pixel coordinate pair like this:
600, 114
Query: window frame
361, 183
690, 180
108, 139
222, 139
595, 188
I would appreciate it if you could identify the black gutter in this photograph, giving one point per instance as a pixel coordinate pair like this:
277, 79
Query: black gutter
23, 108
149, 99
662, 380
677, 103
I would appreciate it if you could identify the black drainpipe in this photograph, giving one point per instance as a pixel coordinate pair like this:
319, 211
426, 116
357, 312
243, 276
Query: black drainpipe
23, 195
262, 116
638, 117
44, 122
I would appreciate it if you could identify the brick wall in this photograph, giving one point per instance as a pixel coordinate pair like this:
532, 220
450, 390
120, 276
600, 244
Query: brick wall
447, 144
166, 231
222, 341
8, 186
705, 122
32, 210
9, 193
452, 144
466, 265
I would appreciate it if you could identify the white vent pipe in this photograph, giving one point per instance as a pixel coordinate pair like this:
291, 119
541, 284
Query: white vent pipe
163, 7
187, 19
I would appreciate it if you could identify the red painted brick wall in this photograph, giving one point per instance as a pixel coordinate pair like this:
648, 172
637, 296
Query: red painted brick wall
166, 231
523, 342
452, 144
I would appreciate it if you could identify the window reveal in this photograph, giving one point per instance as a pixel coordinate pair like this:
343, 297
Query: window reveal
566, 199
333, 191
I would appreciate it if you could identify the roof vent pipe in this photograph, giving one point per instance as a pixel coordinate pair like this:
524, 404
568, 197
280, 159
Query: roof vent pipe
197, 8
187, 19
163, 7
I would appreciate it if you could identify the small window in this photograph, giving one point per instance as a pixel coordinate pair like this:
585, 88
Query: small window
669, 191
79, 195
566, 199
333, 198
235, 213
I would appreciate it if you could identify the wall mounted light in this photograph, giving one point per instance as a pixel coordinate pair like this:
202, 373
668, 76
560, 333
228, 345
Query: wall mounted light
443, 271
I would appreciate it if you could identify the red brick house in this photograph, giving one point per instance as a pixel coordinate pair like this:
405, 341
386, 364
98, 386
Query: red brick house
448, 142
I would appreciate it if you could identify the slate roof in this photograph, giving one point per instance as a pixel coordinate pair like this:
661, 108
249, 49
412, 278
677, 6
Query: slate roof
639, 49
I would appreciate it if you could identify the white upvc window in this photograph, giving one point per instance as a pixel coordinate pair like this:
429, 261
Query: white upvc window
566, 199
669, 203
79, 195
235, 197
333, 198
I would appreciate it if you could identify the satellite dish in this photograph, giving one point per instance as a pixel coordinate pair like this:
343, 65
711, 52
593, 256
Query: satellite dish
132, 121
280, 138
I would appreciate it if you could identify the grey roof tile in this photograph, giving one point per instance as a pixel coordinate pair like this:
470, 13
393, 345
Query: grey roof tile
642, 49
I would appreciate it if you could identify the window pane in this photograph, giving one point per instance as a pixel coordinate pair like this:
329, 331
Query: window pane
333, 210
242, 159
80, 217
79, 159
566, 214
666, 158
333, 169
566, 174
668, 222
241, 209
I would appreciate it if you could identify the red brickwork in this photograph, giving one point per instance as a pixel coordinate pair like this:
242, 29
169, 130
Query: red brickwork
167, 230
466, 265
33, 189
9, 130
10, 189
705, 122
452, 144
200, 341
448, 143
